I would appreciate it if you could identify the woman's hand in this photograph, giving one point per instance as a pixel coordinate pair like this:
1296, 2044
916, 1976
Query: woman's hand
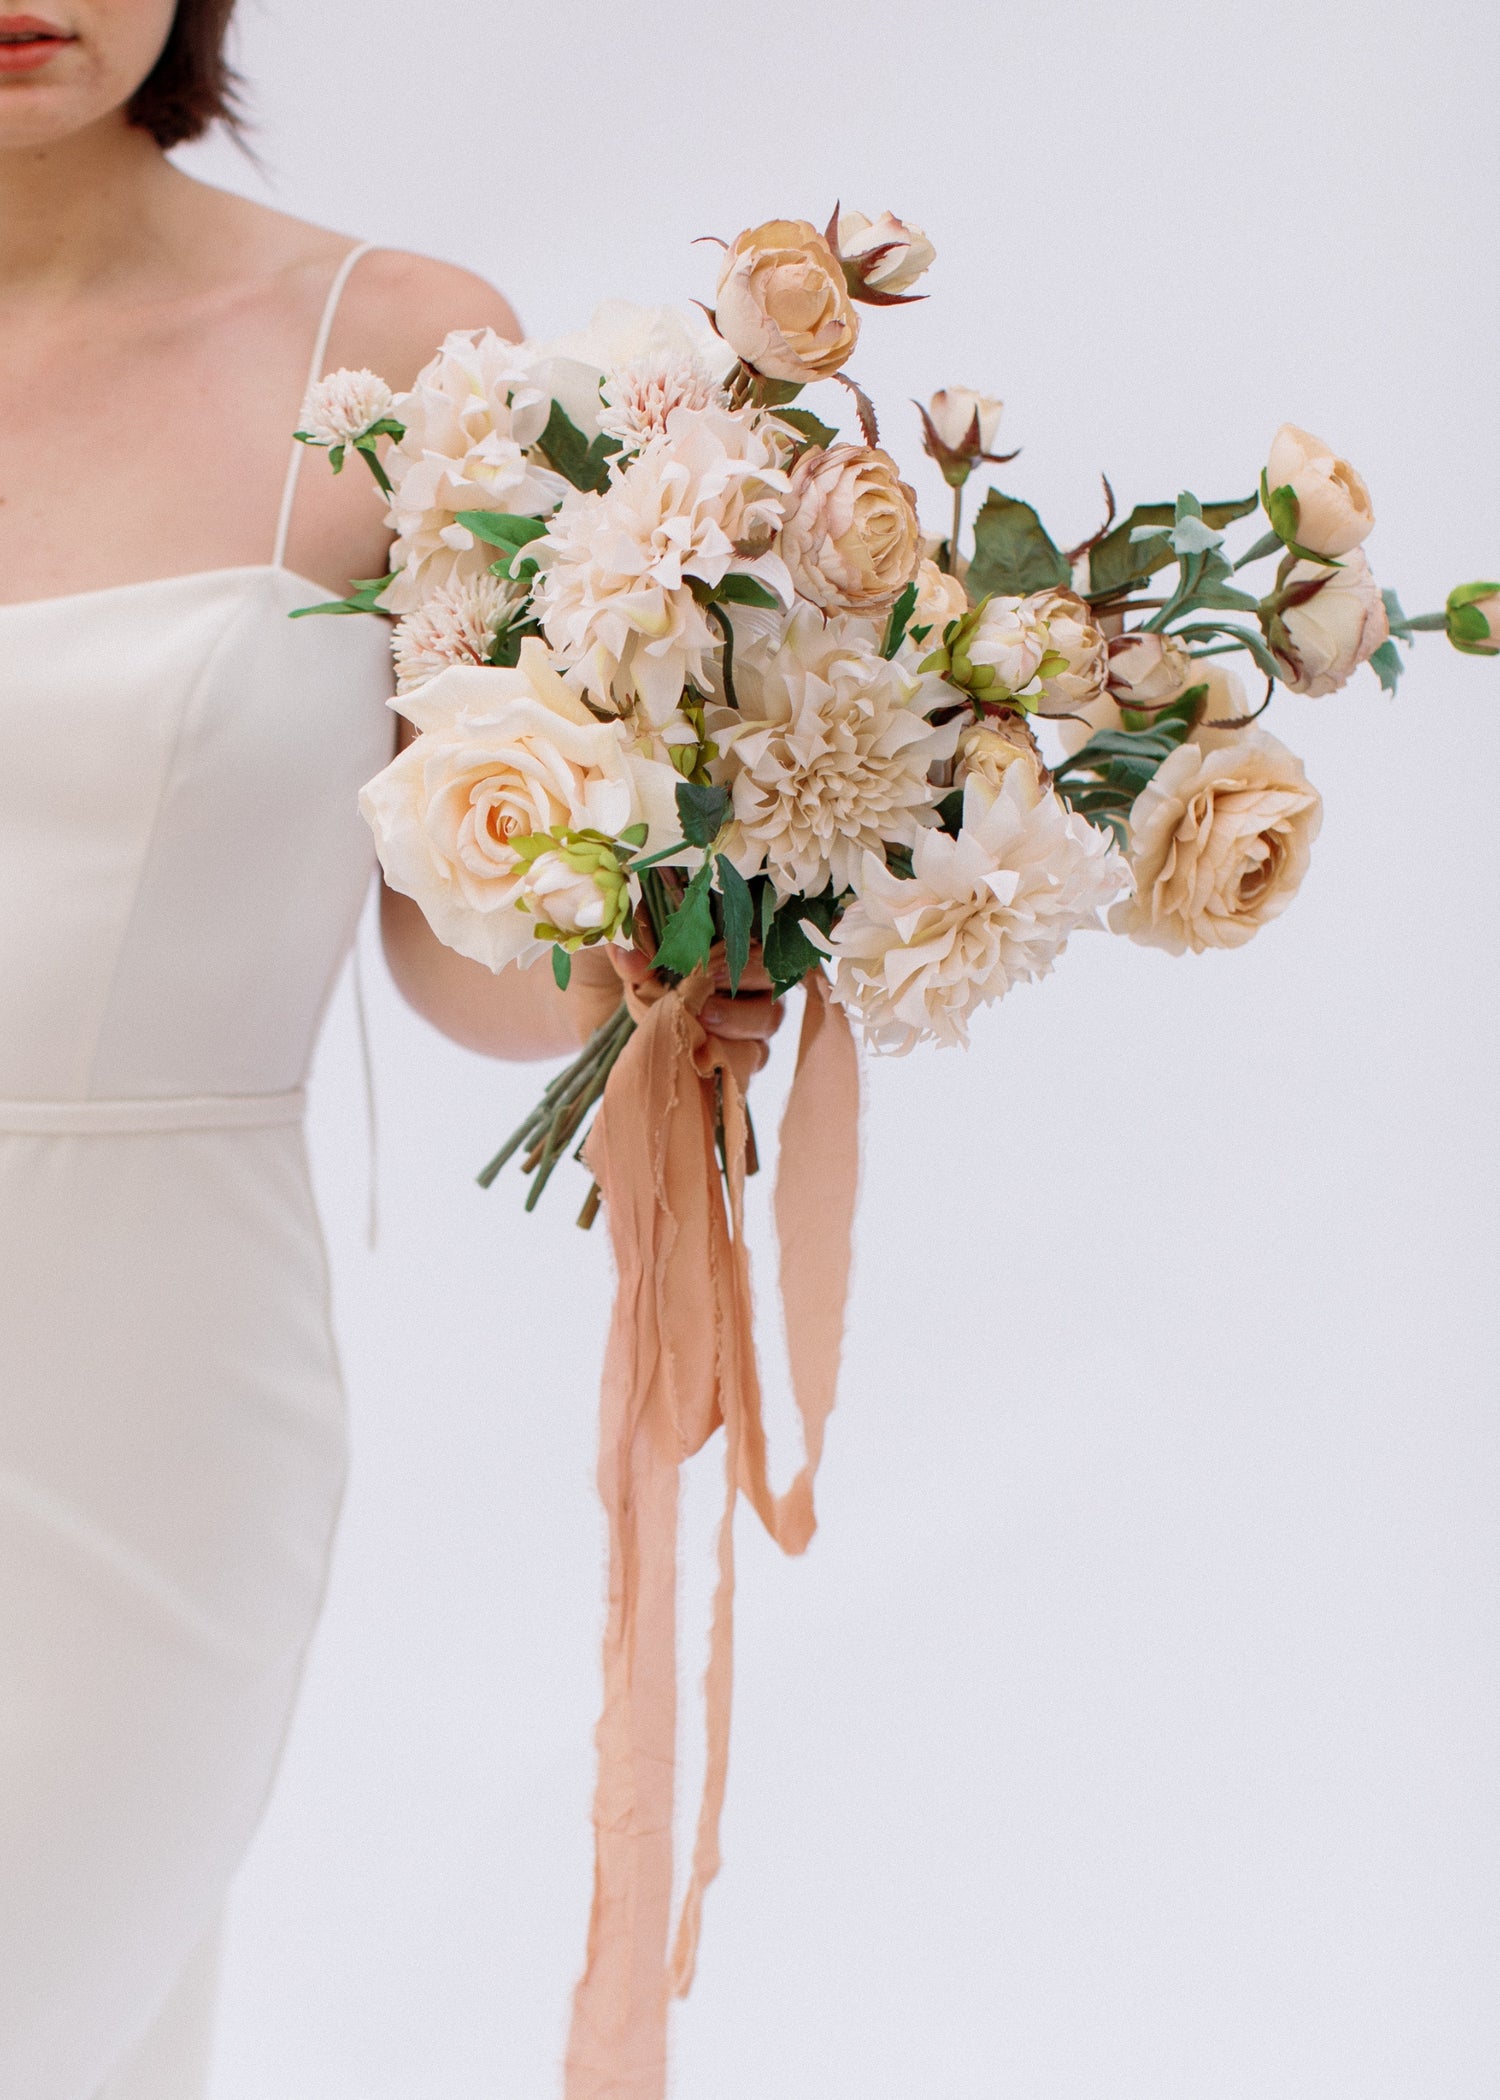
749, 1016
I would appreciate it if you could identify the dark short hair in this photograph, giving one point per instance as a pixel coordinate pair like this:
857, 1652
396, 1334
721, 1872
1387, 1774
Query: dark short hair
192, 84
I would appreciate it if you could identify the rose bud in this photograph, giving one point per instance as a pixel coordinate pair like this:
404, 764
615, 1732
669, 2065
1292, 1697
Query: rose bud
783, 304
882, 258
1148, 670
940, 598
1072, 635
851, 537
996, 652
1474, 619
987, 750
958, 429
1328, 511
1339, 622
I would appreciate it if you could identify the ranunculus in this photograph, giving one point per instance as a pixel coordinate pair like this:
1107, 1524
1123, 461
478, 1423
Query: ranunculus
987, 750
343, 405
470, 417
953, 412
851, 538
1334, 514
1321, 643
1219, 842
882, 255
1072, 635
502, 755
914, 957
940, 598
783, 304
1474, 619
1148, 670
828, 757
615, 593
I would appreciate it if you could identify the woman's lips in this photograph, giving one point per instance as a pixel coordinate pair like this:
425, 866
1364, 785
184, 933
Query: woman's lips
27, 43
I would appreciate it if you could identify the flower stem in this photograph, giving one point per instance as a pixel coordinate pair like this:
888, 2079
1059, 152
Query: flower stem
958, 519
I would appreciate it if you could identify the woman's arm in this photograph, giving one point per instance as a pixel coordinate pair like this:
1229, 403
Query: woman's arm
398, 309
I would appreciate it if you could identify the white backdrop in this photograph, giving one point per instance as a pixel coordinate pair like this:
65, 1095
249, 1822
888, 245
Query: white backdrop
1129, 1732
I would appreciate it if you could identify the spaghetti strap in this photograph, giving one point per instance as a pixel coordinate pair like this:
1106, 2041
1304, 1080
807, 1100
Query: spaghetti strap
314, 372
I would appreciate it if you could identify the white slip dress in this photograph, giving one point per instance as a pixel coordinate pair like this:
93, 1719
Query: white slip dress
182, 865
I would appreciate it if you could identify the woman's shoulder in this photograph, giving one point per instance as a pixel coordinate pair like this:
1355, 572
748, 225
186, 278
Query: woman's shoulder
396, 306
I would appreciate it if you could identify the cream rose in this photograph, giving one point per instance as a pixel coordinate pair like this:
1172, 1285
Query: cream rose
783, 304
851, 538
1071, 634
1219, 844
883, 255
940, 598
987, 750
1322, 643
1334, 513
502, 756
953, 412
1148, 670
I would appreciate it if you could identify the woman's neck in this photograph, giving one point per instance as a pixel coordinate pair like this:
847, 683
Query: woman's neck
85, 210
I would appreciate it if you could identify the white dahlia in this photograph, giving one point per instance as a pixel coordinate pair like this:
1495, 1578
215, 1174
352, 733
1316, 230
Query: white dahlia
994, 907
470, 417
828, 758
456, 625
615, 594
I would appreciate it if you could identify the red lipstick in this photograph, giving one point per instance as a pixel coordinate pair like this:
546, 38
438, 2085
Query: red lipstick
27, 43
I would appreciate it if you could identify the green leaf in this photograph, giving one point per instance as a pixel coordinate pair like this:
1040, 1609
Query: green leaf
1121, 563
634, 835
767, 907
1205, 630
739, 915
562, 965
364, 598
951, 812
583, 463
1268, 543
701, 812
501, 528
807, 425
1012, 551
899, 621
737, 589
789, 953
1284, 512
1386, 664
688, 936
505, 649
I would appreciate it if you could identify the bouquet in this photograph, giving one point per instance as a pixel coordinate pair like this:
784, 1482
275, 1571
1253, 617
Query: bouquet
688, 676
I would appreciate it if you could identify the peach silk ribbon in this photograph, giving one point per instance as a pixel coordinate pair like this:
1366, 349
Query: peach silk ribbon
680, 1361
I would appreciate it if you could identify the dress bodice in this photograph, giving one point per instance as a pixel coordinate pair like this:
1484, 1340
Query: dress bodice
182, 860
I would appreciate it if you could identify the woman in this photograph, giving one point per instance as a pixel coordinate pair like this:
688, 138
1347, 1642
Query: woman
181, 867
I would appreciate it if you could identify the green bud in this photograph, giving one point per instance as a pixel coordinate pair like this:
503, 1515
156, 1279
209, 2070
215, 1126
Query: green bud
1474, 619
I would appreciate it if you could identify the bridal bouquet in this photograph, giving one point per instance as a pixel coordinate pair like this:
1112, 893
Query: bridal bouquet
688, 676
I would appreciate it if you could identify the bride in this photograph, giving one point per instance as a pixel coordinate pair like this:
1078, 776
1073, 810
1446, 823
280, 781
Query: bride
181, 868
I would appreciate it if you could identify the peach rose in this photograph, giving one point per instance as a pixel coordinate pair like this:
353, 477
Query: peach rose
783, 304
851, 538
1334, 513
1148, 670
1322, 643
1219, 843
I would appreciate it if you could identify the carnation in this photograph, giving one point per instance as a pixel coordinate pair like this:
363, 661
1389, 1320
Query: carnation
615, 593
828, 758
470, 418
341, 407
914, 957
456, 625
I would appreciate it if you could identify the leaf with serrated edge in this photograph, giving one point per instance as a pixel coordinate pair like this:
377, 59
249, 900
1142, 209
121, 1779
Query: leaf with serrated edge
700, 811
1013, 552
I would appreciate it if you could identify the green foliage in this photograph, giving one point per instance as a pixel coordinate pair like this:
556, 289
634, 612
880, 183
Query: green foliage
739, 916
502, 529
688, 936
1123, 562
807, 425
701, 811
364, 598
505, 649
951, 812
1386, 664
789, 953
583, 463
1102, 780
562, 965
737, 589
1012, 551
899, 621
